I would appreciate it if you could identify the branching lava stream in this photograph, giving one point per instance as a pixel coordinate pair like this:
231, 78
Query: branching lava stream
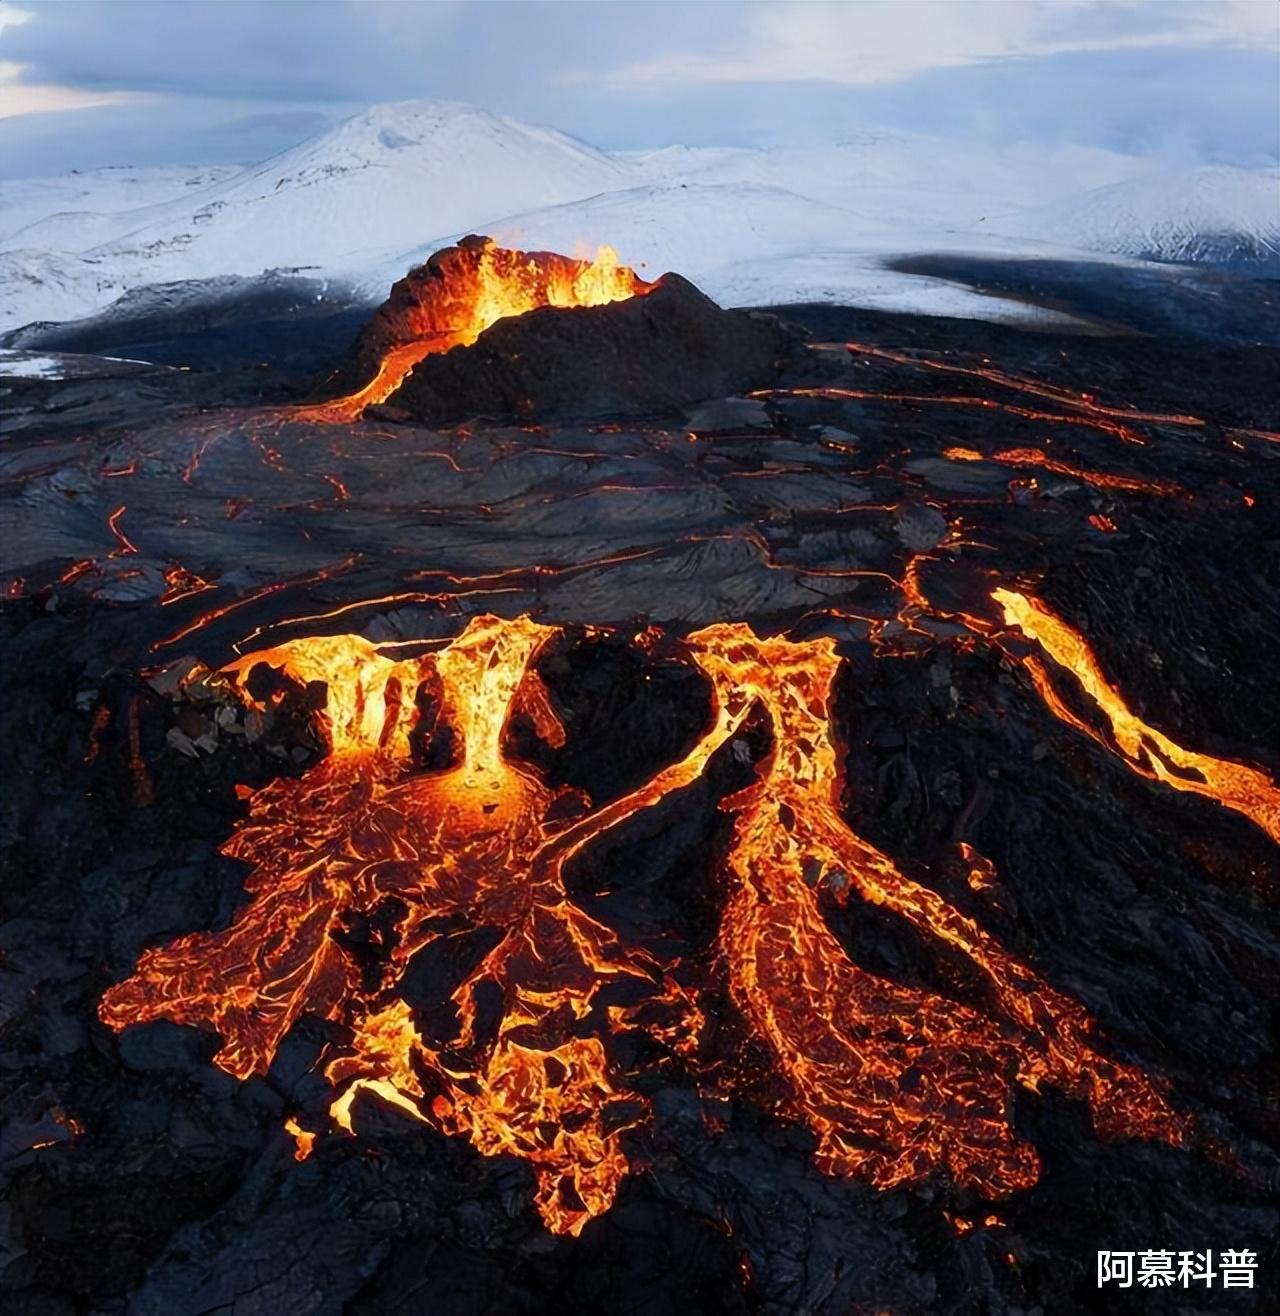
897, 1082
1149, 752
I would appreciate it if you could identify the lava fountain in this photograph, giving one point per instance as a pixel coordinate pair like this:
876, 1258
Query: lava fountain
458, 294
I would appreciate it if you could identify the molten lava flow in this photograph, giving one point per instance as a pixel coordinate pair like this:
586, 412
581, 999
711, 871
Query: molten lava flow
341, 837
361, 832
895, 1081
1147, 751
1089, 420
477, 286
303, 1140
392, 369
124, 545
182, 584
1038, 457
1077, 401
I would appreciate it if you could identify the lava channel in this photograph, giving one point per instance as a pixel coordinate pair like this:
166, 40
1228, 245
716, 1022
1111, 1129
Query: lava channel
1150, 753
898, 1083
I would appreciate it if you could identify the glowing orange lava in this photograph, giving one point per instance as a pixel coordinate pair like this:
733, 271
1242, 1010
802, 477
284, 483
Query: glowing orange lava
476, 293
897, 1082
1038, 457
304, 1140
1085, 403
1147, 751
124, 546
1089, 420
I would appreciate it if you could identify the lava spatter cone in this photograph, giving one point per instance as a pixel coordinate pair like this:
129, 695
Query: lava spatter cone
644, 356
480, 330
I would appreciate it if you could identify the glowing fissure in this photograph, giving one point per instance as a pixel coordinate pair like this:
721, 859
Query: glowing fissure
1086, 403
896, 1082
1038, 457
1088, 420
476, 295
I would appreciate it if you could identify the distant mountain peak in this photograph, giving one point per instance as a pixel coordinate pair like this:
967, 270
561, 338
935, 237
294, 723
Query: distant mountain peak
1212, 213
391, 183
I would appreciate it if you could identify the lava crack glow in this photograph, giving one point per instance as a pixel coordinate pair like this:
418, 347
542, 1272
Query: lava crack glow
1037, 457
896, 1082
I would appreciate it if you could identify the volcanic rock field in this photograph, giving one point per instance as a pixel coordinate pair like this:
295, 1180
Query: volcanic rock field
664, 810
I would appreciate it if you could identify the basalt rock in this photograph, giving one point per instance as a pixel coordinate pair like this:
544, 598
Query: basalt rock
649, 355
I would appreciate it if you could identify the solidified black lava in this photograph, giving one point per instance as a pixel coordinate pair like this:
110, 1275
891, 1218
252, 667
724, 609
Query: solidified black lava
648, 355
138, 1177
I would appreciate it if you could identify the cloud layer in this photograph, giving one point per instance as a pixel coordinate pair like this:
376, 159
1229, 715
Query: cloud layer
78, 82
879, 41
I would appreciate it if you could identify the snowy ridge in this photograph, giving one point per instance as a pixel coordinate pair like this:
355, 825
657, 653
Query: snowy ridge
1217, 213
107, 191
387, 177
903, 178
364, 200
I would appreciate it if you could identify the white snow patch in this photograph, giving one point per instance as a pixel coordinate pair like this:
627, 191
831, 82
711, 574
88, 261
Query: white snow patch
29, 365
66, 365
860, 278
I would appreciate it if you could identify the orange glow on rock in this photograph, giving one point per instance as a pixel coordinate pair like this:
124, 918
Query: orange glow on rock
1036, 457
304, 1140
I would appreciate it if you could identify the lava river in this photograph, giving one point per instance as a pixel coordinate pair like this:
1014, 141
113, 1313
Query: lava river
897, 1082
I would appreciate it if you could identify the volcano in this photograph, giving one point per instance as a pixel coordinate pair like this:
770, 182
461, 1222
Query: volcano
480, 330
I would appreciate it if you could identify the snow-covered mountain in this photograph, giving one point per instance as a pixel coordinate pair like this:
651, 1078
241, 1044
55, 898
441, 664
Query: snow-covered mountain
1215, 214
359, 203
101, 192
390, 176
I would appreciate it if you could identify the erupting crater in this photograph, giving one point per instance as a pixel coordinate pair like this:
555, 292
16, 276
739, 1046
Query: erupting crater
483, 330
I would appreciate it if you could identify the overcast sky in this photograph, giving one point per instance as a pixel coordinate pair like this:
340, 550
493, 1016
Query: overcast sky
90, 82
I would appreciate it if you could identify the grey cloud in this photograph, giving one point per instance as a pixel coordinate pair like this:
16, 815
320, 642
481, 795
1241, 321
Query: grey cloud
244, 80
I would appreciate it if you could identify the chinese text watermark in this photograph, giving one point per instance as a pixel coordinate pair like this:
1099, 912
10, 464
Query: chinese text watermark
1155, 1270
